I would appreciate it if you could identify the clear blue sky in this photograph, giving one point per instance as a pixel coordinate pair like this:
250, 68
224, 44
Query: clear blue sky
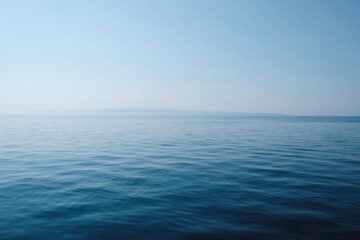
290, 57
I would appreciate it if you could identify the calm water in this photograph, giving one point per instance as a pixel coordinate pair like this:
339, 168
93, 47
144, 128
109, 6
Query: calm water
179, 178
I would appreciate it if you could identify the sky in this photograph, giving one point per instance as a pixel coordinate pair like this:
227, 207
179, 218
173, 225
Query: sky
255, 56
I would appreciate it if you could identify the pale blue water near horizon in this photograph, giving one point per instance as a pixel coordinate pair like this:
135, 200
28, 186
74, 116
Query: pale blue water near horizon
112, 177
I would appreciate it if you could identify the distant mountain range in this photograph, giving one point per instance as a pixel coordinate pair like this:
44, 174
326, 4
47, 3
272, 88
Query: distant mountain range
155, 112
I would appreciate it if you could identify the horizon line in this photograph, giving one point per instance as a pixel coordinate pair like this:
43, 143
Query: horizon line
162, 111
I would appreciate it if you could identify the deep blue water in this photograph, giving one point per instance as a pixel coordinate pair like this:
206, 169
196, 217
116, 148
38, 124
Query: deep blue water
89, 177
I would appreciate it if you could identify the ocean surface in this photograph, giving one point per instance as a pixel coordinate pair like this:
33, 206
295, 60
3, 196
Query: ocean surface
152, 177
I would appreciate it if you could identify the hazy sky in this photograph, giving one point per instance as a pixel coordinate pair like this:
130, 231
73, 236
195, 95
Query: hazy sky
290, 57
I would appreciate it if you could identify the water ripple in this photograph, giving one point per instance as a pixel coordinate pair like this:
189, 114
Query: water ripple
179, 178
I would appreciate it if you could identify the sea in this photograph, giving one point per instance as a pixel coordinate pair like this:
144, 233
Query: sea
179, 177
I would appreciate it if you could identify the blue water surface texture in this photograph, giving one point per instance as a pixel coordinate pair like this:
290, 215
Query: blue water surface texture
153, 177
